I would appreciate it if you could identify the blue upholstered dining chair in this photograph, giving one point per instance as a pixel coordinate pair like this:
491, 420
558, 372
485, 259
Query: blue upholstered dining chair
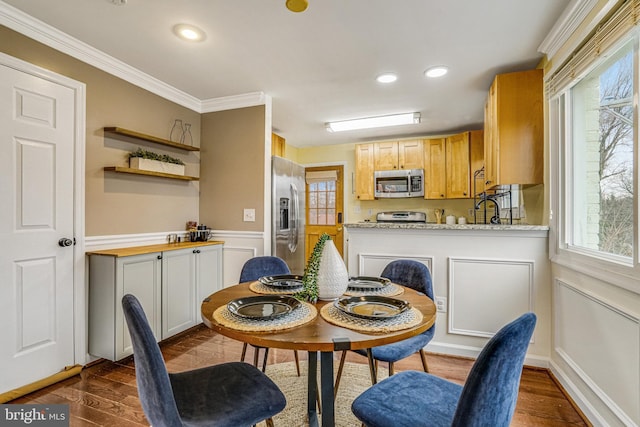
488, 397
228, 394
414, 275
254, 269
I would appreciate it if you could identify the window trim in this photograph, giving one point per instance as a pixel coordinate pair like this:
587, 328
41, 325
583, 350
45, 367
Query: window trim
616, 270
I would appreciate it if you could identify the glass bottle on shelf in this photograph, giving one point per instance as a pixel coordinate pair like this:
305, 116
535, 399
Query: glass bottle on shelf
176, 131
187, 138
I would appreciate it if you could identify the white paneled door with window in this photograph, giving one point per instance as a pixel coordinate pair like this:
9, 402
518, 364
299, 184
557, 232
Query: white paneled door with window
37, 137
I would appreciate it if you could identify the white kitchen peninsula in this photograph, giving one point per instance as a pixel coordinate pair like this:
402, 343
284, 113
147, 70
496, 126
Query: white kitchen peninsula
488, 274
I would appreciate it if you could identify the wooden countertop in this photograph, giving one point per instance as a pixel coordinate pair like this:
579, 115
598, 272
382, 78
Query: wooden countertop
141, 250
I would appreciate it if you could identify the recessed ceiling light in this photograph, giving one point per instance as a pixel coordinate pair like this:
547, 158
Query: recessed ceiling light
387, 78
189, 32
437, 71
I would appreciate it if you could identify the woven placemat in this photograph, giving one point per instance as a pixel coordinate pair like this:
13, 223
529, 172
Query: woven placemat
260, 288
408, 319
301, 315
388, 291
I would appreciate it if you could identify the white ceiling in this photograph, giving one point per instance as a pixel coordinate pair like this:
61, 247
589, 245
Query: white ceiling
320, 65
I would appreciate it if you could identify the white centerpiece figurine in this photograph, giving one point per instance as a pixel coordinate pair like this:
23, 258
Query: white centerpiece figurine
325, 276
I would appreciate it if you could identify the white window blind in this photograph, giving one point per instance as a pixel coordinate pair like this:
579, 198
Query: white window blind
607, 35
321, 176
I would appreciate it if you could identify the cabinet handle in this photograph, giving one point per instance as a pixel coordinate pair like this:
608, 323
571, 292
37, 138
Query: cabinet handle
195, 251
159, 256
464, 194
442, 195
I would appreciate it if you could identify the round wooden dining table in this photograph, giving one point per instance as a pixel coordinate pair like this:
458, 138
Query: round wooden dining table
317, 336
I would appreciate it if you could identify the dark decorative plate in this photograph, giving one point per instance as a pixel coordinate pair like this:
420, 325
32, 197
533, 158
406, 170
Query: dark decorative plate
263, 307
372, 307
366, 283
283, 281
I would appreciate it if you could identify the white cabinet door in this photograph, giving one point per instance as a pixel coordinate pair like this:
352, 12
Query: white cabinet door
140, 276
178, 291
110, 278
208, 272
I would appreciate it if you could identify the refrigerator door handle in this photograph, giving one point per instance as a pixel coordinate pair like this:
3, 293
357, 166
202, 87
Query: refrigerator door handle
293, 212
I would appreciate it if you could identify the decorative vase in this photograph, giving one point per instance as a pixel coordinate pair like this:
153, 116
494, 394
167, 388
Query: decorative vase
187, 138
176, 131
333, 278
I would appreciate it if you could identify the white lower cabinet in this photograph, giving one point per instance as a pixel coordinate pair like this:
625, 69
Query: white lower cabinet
188, 275
170, 286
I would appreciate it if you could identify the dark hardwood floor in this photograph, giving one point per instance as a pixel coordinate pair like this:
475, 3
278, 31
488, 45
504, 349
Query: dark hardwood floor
105, 393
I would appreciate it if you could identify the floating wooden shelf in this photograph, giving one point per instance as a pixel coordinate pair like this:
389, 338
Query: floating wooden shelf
154, 139
122, 169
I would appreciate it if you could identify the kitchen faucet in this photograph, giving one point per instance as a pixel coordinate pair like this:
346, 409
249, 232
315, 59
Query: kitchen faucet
495, 219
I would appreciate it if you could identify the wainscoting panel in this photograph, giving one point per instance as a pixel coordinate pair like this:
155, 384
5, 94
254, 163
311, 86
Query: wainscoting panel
589, 332
486, 294
373, 264
238, 248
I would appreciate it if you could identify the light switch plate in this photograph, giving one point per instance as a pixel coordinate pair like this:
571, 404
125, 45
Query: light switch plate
249, 215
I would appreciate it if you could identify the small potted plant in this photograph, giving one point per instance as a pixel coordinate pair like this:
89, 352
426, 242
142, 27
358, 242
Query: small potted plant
150, 161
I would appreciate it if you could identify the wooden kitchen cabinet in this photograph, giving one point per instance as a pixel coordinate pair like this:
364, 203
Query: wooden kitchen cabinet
170, 284
393, 155
513, 138
435, 174
449, 163
364, 171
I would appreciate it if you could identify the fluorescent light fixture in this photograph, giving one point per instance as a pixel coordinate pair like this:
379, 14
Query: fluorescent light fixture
374, 122
189, 32
437, 71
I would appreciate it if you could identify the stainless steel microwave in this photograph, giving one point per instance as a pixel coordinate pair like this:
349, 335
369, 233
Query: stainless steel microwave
399, 183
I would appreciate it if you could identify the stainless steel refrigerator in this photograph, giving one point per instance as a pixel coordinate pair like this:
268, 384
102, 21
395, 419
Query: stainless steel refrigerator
288, 213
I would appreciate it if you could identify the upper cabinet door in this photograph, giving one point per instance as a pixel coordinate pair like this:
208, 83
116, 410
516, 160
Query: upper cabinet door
410, 154
514, 129
435, 173
364, 171
457, 155
386, 156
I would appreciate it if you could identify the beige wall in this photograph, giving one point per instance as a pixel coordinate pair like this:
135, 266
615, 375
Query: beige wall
233, 168
120, 203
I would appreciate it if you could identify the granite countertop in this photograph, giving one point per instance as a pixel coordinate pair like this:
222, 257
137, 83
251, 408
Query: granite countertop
432, 226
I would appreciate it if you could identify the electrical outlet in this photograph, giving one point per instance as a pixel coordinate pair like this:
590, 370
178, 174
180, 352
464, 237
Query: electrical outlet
441, 304
249, 215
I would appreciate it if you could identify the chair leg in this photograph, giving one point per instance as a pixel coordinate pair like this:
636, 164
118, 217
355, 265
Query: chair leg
372, 367
295, 354
244, 352
269, 422
264, 361
423, 356
339, 374
391, 371
256, 353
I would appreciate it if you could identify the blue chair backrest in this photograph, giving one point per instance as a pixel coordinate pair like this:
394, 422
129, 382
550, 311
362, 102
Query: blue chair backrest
410, 273
154, 386
490, 393
260, 266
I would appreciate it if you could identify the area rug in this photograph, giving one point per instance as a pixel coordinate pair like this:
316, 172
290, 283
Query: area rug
355, 379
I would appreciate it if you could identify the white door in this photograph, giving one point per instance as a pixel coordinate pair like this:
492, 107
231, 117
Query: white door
36, 211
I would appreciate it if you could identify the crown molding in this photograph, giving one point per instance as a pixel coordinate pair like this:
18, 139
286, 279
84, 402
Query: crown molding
235, 101
568, 24
56, 39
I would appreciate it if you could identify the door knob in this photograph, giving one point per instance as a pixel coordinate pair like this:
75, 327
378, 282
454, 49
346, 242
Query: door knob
64, 242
